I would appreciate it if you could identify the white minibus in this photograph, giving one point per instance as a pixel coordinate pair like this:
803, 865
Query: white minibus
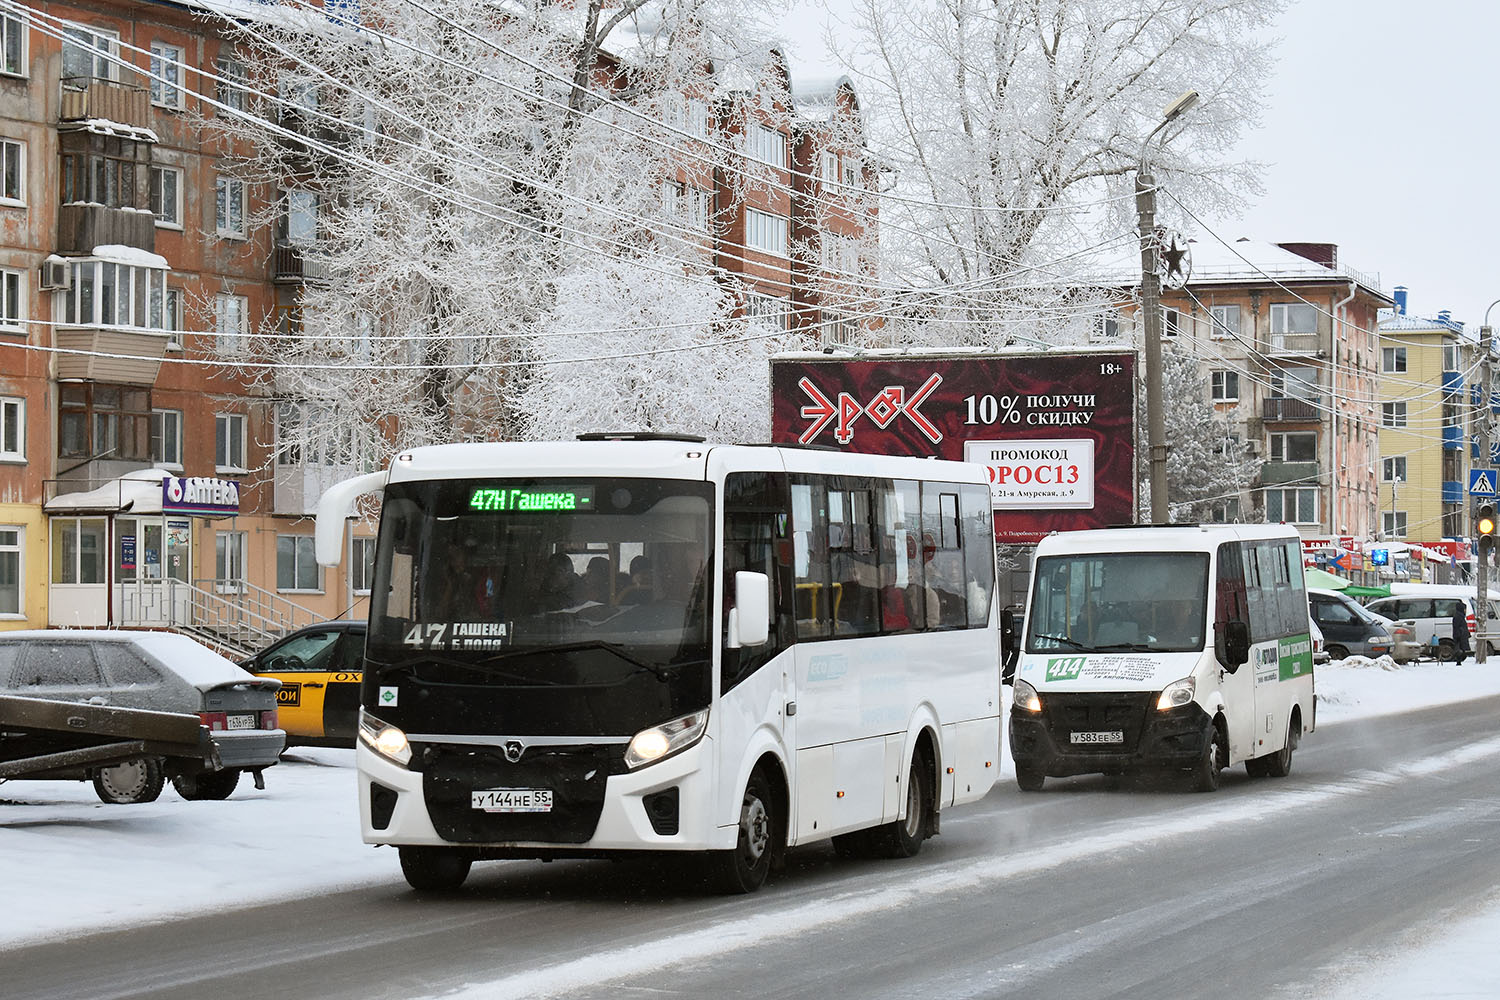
578, 649
1178, 648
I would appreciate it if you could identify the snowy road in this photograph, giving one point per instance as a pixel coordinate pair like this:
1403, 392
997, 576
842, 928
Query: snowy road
1084, 890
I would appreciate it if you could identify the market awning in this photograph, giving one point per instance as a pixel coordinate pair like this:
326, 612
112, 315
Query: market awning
1355, 590
1326, 581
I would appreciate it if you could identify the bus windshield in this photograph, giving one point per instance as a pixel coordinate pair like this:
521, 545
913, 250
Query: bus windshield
1119, 602
559, 585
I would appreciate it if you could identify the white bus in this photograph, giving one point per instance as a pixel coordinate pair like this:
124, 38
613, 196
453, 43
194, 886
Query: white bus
1180, 648
583, 648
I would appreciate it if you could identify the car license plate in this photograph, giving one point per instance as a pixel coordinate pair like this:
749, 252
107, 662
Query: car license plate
1108, 736
513, 800
240, 722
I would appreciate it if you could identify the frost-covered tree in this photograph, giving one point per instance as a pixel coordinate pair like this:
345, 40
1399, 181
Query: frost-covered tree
486, 183
1209, 471
1016, 127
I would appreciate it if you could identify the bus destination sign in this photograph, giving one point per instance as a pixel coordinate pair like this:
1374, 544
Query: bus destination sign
533, 500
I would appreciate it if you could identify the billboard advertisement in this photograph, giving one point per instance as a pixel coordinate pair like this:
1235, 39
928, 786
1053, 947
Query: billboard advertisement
1055, 429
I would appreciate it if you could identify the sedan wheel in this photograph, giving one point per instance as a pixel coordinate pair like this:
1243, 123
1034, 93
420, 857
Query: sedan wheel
133, 781
206, 785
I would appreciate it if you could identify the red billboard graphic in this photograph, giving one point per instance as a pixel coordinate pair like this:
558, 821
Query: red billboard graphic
1056, 430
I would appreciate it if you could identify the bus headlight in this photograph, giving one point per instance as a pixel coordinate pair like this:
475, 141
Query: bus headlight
1024, 697
386, 740
650, 745
1176, 694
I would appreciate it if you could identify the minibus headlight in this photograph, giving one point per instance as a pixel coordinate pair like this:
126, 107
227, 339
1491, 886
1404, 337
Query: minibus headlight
386, 740
1025, 698
1176, 694
651, 745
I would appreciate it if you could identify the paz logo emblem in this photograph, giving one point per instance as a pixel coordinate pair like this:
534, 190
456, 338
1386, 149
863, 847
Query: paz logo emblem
513, 751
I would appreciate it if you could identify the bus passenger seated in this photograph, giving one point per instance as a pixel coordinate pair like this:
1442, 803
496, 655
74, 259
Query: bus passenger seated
639, 591
596, 579
560, 585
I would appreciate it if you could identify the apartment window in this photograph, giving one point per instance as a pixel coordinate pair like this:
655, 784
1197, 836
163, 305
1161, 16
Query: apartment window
12, 429
229, 442
691, 114
88, 55
1295, 382
1297, 505
12, 172
101, 172
768, 314
1297, 447
166, 437
1226, 321
767, 232
1293, 317
839, 330
852, 174
12, 538
298, 224
1107, 326
361, 564
1452, 358
1393, 523
1393, 470
172, 312
1225, 511
228, 89
767, 145
12, 46
12, 308
97, 420
106, 293
830, 174
229, 558
691, 205
1171, 322
1393, 414
1393, 359
229, 206
166, 75
296, 568
166, 196
231, 322
1224, 385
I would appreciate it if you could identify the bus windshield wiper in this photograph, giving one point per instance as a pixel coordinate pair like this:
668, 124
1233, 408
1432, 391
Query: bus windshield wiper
478, 666
1062, 639
1129, 647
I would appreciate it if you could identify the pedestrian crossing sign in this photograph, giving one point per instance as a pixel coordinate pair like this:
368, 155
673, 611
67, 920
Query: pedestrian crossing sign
1482, 483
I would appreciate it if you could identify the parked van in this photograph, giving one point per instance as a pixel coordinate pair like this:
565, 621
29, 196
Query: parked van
1183, 648
1430, 606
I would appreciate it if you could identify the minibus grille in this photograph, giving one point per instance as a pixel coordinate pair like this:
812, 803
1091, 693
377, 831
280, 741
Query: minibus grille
1097, 712
575, 775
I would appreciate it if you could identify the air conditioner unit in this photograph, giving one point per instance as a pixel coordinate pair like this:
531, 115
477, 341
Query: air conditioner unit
57, 274
1252, 447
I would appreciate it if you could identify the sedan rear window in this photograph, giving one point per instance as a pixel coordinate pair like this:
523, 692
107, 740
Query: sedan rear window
59, 664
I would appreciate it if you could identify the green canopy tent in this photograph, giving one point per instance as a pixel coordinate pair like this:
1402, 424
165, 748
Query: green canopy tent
1371, 592
1327, 581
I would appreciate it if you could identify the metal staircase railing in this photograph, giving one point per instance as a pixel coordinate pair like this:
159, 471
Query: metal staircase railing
232, 616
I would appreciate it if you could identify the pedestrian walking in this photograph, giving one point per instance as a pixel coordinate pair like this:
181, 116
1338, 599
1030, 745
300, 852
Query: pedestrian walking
1460, 633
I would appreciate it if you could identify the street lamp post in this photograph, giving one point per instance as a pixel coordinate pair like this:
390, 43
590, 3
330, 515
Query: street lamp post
1481, 559
1145, 205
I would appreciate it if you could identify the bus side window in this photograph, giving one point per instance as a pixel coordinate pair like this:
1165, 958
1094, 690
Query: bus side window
814, 597
755, 526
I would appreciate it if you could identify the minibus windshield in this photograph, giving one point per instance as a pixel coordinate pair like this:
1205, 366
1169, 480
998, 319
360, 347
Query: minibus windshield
1119, 602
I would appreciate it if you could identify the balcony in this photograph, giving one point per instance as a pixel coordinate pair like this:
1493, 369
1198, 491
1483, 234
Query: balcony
288, 264
1295, 343
1453, 492
1453, 383
117, 354
82, 227
1279, 473
1453, 440
1290, 410
85, 99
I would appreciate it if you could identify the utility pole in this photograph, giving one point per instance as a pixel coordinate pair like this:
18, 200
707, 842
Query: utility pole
1145, 206
1482, 558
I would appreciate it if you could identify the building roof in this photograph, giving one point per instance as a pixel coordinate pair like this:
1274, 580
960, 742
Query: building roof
1246, 262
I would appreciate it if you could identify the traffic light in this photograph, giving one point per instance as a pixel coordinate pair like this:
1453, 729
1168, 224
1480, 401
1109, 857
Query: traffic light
1484, 527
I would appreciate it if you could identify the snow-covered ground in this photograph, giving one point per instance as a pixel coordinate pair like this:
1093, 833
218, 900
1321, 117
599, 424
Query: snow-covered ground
70, 864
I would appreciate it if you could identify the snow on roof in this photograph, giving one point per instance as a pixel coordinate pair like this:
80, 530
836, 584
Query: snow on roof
278, 14
138, 491
1391, 321
1245, 261
103, 126
130, 256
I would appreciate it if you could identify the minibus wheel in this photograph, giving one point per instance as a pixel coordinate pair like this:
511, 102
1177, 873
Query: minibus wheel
745, 868
903, 838
435, 869
1206, 773
1279, 764
1030, 779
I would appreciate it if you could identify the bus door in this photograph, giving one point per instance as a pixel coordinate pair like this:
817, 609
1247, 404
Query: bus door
1239, 598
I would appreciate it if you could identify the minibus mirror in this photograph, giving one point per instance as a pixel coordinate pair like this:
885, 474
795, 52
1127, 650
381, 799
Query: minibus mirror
1012, 623
750, 623
1232, 644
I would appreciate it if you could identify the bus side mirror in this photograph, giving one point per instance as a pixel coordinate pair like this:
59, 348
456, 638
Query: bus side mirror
1012, 624
1232, 644
750, 619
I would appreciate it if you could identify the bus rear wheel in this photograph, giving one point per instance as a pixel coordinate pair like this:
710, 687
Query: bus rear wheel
903, 838
1279, 764
744, 869
434, 869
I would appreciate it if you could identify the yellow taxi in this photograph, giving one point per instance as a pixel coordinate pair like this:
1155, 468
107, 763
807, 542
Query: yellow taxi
319, 667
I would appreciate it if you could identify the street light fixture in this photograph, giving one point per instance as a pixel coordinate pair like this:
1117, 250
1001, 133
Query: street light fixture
1145, 204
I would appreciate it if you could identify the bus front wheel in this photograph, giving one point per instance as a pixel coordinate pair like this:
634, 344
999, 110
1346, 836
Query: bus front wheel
435, 869
745, 868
